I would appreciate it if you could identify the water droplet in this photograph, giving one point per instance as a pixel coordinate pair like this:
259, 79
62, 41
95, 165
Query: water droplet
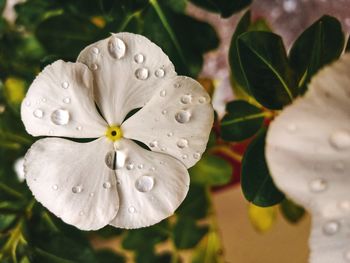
55, 187
177, 85
65, 85
182, 116
140, 166
107, 185
131, 209
163, 149
184, 156
27, 103
115, 159
318, 185
79, 128
119, 182
94, 66
153, 144
289, 6
38, 113
60, 117
95, 50
202, 100
144, 183
340, 140
162, 93
43, 100
160, 73
164, 112
182, 143
116, 47
170, 134
196, 155
139, 58
185, 99
130, 166
152, 169
66, 100
50, 132
141, 73
91, 194
331, 227
77, 189
291, 127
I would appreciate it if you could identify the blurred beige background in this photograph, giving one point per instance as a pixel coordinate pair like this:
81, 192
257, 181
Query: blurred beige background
284, 243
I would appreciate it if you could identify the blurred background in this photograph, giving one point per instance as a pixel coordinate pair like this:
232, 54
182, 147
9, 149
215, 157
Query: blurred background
215, 223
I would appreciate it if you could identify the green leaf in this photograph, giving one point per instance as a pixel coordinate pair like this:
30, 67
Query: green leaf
211, 170
209, 249
225, 7
265, 66
6, 220
257, 184
108, 256
146, 238
66, 42
195, 204
291, 211
318, 45
109, 232
187, 234
241, 121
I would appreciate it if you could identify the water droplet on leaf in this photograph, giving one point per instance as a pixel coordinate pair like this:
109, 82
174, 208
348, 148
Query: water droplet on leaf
141, 73
182, 143
77, 189
116, 47
139, 58
144, 183
182, 116
160, 73
38, 113
60, 117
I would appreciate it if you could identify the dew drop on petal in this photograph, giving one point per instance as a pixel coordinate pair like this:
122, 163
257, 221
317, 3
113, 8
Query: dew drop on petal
94, 66
130, 166
116, 47
318, 185
196, 155
340, 140
55, 187
139, 58
60, 117
152, 169
162, 93
66, 100
65, 85
182, 143
331, 227
164, 112
91, 194
95, 50
170, 134
153, 144
163, 149
140, 166
77, 189
106, 185
202, 100
27, 103
183, 116
38, 113
144, 183
50, 132
141, 73
43, 100
160, 73
185, 156
177, 85
79, 128
115, 159
186, 99
131, 209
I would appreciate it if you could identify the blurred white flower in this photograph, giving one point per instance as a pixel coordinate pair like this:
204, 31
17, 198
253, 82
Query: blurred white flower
113, 180
308, 154
19, 169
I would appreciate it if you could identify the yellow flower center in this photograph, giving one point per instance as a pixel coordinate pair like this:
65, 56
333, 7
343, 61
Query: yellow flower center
114, 133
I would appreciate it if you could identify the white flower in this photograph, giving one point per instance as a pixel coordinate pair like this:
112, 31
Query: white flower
308, 154
112, 180
18, 168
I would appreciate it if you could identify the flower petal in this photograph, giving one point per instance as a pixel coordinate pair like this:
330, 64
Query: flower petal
150, 185
177, 120
127, 68
60, 103
73, 181
308, 154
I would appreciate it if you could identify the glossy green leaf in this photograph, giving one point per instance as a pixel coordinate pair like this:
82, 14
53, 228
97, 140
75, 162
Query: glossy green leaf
195, 204
291, 211
211, 170
242, 120
187, 234
257, 184
265, 66
225, 7
318, 45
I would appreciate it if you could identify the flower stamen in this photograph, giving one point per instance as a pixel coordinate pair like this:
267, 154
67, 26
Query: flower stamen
114, 133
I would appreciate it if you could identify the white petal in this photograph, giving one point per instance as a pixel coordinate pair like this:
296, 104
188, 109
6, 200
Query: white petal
127, 69
150, 185
177, 120
60, 103
308, 154
73, 181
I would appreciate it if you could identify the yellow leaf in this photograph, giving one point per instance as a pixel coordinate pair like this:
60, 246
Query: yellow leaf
262, 218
